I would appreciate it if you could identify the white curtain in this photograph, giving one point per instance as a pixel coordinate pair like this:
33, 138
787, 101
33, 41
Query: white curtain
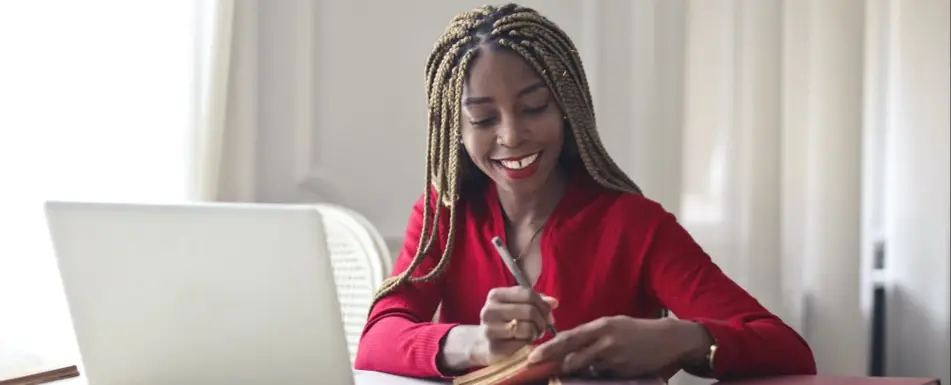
103, 100
214, 38
772, 140
732, 167
780, 149
225, 132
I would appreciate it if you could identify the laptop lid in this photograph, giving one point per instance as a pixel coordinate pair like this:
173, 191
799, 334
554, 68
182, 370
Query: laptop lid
200, 293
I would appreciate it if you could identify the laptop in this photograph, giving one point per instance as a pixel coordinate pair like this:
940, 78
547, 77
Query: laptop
204, 294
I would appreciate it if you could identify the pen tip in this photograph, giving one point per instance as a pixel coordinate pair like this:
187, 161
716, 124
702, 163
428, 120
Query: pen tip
497, 241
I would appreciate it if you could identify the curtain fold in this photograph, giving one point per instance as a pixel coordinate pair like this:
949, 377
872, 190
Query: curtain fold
224, 152
771, 161
214, 57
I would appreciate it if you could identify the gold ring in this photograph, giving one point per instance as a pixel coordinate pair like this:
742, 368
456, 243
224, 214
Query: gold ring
512, 327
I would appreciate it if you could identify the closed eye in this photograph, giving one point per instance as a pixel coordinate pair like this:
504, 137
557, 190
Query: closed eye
482, 122
536, 110
530, 111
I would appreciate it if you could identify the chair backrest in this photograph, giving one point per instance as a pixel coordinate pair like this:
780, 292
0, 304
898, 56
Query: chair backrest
383, 250
360, 262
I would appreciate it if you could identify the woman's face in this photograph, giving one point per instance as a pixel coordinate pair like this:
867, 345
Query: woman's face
512, 128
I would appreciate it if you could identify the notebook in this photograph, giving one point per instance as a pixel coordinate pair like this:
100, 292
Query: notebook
515, 370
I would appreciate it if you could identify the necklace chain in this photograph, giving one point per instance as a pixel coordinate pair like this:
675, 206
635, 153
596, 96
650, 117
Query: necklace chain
529, 245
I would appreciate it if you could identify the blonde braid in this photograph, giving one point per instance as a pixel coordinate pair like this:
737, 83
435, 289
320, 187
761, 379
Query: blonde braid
443, 115
552, 54
453, 190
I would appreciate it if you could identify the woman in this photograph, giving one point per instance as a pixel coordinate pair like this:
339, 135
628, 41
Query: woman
513, 152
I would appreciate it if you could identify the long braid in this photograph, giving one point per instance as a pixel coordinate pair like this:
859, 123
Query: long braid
443, 117
552, 54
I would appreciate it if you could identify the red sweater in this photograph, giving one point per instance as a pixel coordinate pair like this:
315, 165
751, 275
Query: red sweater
604, 253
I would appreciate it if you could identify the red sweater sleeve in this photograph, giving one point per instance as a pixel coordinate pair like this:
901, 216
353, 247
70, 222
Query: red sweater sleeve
750, 340
399, 336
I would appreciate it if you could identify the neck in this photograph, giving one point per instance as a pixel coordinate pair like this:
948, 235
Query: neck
522, 208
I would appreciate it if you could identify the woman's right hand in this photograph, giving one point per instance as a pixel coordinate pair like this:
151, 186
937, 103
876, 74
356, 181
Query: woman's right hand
512, 318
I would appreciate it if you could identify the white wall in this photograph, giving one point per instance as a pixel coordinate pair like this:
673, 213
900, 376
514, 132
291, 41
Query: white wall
339, 110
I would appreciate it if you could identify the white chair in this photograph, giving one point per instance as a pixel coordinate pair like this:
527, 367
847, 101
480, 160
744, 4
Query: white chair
383, 250
360, 262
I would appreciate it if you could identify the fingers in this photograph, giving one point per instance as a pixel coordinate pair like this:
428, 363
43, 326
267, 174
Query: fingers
587, 355
553, 304
497, 315
570, 341
503, 330
518, 303
559, 347
518, 294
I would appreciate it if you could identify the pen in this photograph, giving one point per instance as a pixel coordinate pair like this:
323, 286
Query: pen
516, 272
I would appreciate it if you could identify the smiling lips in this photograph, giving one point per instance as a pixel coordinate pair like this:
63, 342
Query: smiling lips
519, 168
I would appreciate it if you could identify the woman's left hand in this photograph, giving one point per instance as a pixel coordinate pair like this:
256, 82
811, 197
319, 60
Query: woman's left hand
621, 346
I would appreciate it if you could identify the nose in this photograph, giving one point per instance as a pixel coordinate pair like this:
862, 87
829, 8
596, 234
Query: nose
510, 134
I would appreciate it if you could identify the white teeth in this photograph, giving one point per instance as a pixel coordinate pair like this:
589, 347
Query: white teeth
521, 163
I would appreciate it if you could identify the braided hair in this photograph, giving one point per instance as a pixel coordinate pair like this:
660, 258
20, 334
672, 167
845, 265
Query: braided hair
448, 168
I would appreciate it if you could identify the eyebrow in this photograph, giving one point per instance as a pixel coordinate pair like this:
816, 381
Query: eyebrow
524, 91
